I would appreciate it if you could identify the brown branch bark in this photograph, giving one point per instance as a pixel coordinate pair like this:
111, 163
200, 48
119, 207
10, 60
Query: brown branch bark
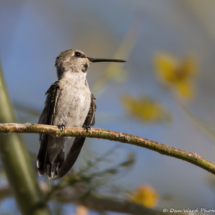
111, 135
97, 203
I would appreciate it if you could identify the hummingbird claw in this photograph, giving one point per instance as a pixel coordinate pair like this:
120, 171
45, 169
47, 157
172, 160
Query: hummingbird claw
61, 127
87, 127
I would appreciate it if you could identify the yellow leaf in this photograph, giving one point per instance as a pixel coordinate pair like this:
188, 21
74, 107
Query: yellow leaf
81, 210
176, 74
190, 67
144, 108
146, 196
165, 65
185, 89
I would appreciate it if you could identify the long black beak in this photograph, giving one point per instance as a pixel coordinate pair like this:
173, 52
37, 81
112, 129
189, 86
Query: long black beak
95, 60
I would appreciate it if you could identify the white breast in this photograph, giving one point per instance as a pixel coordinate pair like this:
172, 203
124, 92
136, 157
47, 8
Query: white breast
73, 103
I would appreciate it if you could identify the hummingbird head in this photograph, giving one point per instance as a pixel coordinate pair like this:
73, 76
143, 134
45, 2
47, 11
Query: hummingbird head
75, 61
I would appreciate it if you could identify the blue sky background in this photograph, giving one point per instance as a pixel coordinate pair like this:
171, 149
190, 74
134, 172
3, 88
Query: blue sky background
33, 33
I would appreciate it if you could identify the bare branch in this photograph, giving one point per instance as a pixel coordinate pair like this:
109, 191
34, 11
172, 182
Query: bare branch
98, 203
111, 135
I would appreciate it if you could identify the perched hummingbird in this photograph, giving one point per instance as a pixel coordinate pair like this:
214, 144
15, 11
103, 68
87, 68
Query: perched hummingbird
69, 103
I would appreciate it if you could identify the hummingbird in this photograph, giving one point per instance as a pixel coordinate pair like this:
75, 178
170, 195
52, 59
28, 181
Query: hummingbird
69, 103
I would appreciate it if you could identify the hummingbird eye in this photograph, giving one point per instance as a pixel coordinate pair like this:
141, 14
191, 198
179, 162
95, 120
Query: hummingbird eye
77, 54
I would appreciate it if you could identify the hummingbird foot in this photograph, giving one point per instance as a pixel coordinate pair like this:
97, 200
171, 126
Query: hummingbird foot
87, 127
61, 127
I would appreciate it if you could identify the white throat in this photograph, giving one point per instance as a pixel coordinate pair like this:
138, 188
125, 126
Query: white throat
75, 78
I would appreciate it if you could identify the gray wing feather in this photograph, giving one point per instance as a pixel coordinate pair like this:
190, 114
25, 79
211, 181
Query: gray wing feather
90, 119
47, 118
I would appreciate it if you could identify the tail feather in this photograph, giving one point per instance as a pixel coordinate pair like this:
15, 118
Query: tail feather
71, 156
59, 167
46, 161
42, 155
60, 158
52, 168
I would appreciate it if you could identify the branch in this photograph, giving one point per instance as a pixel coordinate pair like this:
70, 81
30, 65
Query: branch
110, 135
101, 203
16, 162
98, 203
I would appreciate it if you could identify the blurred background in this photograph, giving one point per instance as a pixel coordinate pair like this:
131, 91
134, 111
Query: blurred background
165, 91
